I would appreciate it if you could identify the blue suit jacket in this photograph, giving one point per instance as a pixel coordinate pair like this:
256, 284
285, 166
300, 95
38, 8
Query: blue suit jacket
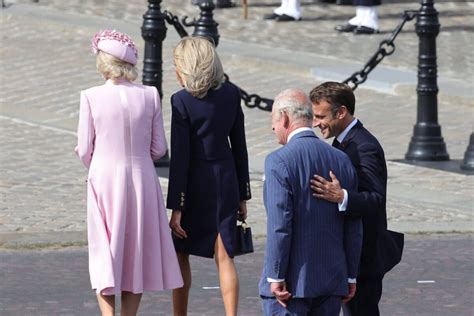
310, 244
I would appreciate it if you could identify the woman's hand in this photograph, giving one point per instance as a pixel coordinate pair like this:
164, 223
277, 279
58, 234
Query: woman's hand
242, 213
175, 225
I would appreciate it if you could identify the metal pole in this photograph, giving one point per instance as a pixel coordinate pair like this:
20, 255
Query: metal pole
154, 33
468, 162
427, 142
206, 26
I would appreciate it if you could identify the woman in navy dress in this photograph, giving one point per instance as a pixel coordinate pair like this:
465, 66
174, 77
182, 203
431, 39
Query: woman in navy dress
209, 177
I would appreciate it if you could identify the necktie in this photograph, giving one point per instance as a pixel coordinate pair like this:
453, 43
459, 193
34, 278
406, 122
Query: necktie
335, 143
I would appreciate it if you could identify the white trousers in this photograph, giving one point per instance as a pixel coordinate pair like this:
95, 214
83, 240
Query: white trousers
366, 16
289, 7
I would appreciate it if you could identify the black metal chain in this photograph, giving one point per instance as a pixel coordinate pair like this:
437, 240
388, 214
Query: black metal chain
174, 20
253, 100
386, 48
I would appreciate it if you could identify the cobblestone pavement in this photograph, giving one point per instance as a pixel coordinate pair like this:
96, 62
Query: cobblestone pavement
315, 33
45, 61
42, 184
433, 279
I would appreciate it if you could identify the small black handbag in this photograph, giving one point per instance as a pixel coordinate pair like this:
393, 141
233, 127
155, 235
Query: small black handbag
243, 239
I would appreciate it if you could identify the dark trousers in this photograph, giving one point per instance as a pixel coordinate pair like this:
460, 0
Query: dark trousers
319, 306
366, 299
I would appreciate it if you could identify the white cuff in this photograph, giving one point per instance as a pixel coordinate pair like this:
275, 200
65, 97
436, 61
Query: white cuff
351, 280
343, 204
270, 280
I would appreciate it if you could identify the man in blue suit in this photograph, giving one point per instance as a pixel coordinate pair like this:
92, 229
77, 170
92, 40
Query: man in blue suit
312, 251
333, 107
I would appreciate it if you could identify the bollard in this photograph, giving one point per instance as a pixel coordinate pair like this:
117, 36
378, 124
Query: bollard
427, 142
468, 162
205, 26
154, 33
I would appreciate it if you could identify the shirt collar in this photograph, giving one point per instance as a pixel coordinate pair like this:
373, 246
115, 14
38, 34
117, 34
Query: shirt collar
298, 130
344, 133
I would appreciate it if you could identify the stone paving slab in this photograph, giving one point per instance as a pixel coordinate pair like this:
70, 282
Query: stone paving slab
315, 33
54, 282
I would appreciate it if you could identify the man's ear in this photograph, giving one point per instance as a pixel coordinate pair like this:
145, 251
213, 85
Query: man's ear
342, 112
286, 118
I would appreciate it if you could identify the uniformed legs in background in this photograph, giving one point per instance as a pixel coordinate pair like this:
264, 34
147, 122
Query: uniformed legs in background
289, 10
366, 20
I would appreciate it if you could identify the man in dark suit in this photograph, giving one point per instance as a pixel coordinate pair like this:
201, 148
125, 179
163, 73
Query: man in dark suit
333, 107
313, 250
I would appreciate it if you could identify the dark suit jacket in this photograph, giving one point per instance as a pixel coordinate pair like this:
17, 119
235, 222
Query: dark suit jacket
369, 199
209, 172
310, 244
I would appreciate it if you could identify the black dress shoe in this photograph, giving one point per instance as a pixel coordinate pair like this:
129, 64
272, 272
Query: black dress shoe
345, 27
270, 16
365, 30
286, 18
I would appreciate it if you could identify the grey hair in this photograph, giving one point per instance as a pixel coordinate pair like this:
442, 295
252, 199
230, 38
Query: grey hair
295, 103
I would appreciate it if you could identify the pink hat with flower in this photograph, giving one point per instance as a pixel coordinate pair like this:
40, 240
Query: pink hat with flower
117, 44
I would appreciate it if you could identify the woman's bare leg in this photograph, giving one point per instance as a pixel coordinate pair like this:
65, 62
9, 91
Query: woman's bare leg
130, 303
181, 295
106, 304
228, 278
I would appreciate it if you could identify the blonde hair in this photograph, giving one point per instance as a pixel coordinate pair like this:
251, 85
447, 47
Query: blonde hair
198, 65
112, 68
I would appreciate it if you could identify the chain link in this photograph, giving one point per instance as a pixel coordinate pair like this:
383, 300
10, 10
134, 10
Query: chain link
386, 48
253, 100
174, 20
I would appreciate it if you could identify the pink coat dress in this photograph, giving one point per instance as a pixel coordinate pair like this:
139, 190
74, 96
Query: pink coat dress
130, 248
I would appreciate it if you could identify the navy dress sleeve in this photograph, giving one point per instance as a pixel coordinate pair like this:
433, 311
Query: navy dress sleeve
239, 151
180, 151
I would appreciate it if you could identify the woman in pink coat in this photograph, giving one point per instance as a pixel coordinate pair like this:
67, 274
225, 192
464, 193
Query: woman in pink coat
120, 133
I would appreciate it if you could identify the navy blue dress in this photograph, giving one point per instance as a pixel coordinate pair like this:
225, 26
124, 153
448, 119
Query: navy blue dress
209, 173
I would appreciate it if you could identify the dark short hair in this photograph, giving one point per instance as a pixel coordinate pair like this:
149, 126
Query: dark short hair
336, 94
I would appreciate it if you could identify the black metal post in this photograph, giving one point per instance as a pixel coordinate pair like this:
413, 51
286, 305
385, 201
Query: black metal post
205, 26
154, 33
468, 162
427, 142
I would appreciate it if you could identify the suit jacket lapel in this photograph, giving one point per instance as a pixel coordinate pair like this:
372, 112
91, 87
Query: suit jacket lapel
350, 135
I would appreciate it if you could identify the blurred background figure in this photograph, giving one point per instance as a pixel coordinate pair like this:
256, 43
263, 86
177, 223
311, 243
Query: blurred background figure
366, 20
289, 10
